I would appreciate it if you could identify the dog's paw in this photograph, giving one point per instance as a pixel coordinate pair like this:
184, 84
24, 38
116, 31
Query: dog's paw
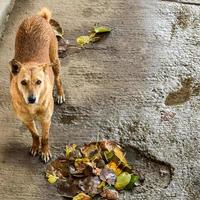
46, 156
34, 151
60, 99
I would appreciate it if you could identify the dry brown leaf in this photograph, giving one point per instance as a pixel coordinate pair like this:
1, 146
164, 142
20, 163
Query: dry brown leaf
108, 176
90, 185
110, 194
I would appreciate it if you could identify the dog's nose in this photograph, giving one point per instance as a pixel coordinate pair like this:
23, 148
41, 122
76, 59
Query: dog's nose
31, 99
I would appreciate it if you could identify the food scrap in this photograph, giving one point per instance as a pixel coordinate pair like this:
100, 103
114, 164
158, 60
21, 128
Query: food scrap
94, 169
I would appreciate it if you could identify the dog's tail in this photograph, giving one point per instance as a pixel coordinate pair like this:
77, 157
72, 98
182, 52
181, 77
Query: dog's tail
45, 13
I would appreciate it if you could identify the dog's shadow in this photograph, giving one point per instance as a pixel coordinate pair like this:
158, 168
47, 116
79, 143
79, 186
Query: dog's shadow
17, 154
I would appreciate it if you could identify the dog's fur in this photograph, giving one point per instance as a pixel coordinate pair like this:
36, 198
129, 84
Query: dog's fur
34, 69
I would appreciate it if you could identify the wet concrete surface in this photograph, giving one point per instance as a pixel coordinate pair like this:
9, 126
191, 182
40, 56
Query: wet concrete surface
139, 87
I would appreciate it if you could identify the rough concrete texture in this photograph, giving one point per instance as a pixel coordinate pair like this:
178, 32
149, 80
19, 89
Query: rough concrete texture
139, 87
5, 8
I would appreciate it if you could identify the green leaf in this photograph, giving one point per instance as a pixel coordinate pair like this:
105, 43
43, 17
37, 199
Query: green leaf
108, 155
122, 180
134, 179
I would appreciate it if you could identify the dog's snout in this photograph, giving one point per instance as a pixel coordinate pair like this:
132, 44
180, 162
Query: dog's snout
31, 99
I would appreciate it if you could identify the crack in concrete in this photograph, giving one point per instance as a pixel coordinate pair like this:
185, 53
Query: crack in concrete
183, 2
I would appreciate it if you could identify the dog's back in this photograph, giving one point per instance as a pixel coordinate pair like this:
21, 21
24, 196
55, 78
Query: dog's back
33, 39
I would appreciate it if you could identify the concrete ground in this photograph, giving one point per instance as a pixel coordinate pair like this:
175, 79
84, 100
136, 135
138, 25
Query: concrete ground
5, 8
139, 87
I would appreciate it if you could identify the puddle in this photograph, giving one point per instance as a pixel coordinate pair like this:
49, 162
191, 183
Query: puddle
157, 173
182, 95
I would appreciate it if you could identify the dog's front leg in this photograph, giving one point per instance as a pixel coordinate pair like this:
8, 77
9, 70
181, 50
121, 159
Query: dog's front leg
36, 140
46, 154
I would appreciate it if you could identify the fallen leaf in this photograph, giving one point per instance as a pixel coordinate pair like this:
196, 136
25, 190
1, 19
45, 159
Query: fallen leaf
56, 27
133, 181
95, 35
79, 161
96, 171
58, 167
120, 155
63, 46
110, 194
100, 163
69, 149
102, 184
82, 196
108, 176
75, 172
101, 29
82, 40
122, 180
107, 145
68, 187
52, 179
90, 151
90, 185
112, 165
108, 155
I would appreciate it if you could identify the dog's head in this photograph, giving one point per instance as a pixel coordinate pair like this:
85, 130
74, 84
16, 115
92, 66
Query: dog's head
30, 80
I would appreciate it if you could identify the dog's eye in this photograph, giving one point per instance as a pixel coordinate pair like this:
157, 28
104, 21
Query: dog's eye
38, 82
23, 82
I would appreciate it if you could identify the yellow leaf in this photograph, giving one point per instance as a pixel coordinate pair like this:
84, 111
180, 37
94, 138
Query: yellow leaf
101, 185
112, 165
82, 196
69, 149
52, 179
120, 155
82, 160
82, 40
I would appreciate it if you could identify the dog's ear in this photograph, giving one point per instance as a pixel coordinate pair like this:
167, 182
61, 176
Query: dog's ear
15, 66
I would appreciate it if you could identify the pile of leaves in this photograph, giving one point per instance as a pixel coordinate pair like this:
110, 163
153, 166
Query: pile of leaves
96, 33
97, 168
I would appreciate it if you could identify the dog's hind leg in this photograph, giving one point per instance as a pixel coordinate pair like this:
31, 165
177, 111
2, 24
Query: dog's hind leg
36, 140
55, 62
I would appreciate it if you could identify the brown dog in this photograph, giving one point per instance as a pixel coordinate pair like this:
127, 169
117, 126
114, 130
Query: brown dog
33, 70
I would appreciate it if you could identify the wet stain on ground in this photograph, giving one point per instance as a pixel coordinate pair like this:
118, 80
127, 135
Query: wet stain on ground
182, 21
70, 114
182, 95
156, 173
196, 89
